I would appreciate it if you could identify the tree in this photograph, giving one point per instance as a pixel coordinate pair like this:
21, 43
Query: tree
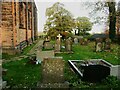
108, 8
83, 25
112, 19
59, 20
118, 18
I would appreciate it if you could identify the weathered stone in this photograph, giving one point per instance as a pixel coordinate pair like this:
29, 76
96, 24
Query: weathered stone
57, 45
53, 70
68, 45
47, 45
99, 45
107, 46
13, 14
75, 40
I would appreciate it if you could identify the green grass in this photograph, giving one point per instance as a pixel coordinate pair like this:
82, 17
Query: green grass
8, 57
88, 52
24, 52
20, 74
28, 48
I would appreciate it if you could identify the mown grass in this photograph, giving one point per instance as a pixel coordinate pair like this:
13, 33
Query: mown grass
21, 74
28, 48
24, 52
88, 52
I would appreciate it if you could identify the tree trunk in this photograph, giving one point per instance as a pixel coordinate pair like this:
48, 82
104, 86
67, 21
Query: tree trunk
112, 18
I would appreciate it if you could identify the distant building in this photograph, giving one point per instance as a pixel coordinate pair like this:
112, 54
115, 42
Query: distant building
19, 25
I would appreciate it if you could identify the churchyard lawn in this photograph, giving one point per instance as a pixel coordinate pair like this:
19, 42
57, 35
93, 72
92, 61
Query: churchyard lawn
82, 52
22, 74
24, 52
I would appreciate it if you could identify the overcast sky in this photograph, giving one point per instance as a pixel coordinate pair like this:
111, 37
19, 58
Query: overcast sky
76, 7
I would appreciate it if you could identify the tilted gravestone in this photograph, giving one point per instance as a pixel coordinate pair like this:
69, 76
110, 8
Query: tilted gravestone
53, 70
98, 45
107, 46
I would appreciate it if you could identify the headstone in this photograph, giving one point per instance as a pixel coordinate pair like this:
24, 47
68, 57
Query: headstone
58, 44
47, 45
68, 45
81, 41
107, 44
99, 45
59, 37
75, 40
53, 70
42, 54
85, 41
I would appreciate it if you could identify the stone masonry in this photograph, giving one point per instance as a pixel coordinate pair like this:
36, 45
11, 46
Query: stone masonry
19, 25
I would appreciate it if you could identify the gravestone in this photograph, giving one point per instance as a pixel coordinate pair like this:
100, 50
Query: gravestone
59, 37
75, 40
81, 41
85, 41
99, 45
47, 45
68, 45
52, 70
42, 54
58, 44
107, 44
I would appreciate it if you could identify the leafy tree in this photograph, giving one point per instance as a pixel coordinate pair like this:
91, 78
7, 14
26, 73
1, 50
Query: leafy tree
59, 20
108, 8
83, 25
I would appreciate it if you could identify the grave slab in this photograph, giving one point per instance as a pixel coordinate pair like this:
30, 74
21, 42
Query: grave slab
94, 70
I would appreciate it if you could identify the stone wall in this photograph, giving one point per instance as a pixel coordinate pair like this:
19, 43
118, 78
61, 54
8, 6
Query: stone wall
7, 24
18, 25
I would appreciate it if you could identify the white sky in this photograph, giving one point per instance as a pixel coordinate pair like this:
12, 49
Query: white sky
74, 6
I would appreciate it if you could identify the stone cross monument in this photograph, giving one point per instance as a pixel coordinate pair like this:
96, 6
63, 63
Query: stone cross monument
59, 37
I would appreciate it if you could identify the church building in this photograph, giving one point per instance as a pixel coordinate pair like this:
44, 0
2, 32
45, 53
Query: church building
19, 25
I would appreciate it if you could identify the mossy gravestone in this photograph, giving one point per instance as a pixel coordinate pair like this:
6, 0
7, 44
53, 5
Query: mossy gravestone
107, 46
53, 70
53, 74
68, 45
